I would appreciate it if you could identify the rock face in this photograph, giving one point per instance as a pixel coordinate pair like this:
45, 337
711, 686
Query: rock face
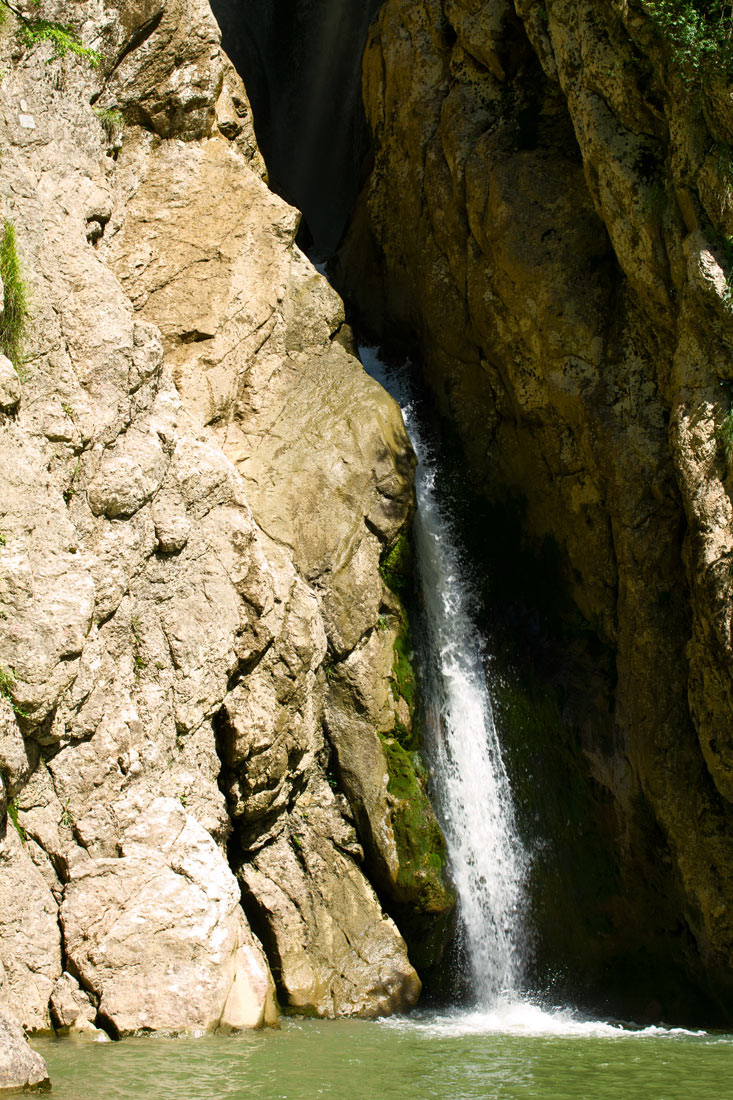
548, 216
157, 934
20, 1067
199, 484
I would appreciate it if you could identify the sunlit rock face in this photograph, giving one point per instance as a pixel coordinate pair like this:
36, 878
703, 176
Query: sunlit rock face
301, 63
546, 218
20, 1067
199, 482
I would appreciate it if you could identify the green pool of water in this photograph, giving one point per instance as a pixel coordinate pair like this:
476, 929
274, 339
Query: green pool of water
527, 1055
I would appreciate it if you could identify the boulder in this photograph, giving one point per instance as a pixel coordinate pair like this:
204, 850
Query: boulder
157, 934
20, 1067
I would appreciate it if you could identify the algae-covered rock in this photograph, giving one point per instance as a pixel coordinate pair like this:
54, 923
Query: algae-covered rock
419, 840
370, 720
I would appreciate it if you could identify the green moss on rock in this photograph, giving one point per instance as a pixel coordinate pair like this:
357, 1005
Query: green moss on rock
420, 900
396, 566
404, 685
15, 298
420, 843
424, 913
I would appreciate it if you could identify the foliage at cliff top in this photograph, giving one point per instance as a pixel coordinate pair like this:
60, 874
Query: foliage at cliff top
699, 33
63, 38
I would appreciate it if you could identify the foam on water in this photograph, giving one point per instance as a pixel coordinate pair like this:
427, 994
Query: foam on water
515, 1015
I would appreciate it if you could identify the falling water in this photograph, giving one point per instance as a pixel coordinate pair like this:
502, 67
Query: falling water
474, 802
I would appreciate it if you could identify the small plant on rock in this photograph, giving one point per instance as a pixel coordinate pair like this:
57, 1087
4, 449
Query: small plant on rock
13, 815
68, 493
15, 298
395, 567
7, 683
112, 122
699, 34
62, 37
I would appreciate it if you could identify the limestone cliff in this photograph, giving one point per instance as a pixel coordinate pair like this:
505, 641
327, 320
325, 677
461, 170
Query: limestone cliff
199, 482
549, 216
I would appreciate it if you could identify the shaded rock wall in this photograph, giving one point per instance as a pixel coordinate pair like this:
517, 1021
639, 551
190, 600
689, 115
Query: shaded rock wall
199, 483
545, 219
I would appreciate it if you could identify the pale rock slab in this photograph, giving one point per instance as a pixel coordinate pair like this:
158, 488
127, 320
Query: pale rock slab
30, 941
158, 935
20, 1067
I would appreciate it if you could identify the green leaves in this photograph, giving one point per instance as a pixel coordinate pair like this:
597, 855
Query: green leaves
63, 38
699, 34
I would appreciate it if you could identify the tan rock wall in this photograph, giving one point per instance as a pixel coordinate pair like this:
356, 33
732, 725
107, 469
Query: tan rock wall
199, 481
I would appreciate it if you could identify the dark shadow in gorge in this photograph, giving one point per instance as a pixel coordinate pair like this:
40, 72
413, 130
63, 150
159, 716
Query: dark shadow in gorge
301, 64
607, 932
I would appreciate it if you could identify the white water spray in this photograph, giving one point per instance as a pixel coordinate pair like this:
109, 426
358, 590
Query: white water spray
488, 863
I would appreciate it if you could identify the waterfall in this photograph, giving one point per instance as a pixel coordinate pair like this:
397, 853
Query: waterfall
473, 800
